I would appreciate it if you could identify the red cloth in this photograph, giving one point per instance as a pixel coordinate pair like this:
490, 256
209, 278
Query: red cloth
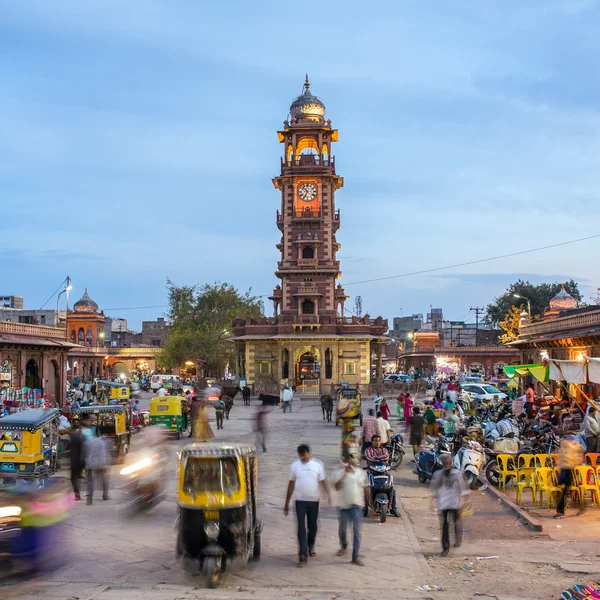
385, 411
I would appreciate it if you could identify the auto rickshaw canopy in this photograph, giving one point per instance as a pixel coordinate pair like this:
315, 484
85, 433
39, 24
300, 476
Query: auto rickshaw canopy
166, 405
29, 420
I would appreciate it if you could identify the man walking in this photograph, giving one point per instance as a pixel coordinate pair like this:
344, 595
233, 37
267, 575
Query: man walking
260, 427
219, 411
448, 489
286, 396
96, 461
351, 482
430, 421
369, 429
306, 474
77, 463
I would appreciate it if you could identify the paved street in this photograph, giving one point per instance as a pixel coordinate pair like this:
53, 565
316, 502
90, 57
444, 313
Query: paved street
138, 555
113, 559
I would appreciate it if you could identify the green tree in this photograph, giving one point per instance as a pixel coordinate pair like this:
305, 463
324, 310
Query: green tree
201, 324
539, 296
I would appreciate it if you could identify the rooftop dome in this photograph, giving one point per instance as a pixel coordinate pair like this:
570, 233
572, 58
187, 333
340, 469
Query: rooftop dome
307, 107
563, 300
85, 305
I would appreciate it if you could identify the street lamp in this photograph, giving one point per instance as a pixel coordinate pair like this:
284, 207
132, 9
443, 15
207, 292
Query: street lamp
66, 290
528, 302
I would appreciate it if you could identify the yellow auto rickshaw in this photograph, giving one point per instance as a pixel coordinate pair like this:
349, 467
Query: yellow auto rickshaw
111, 391
170, 413
217, 497
114, 423
29, 445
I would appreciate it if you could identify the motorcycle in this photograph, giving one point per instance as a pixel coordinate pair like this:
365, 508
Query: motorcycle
143, 485
396, 451
427, 460
381, 485
469, 460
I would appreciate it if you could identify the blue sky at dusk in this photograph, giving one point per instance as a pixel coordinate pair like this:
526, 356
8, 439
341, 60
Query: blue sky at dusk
139, 142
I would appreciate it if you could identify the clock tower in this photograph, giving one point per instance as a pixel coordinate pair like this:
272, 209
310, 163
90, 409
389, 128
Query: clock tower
308, 219
308, 340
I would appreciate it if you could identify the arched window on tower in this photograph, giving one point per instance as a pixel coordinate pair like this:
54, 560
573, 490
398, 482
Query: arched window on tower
328, 364
308, 252
308, 307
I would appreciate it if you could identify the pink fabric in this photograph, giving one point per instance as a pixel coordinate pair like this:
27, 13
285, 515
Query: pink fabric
408, 402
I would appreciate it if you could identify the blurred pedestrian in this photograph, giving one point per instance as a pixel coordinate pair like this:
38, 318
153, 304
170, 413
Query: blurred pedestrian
417, 426
408, 403
306, 474
384, 428
400, 406
430, 421
591, 429
286, 397
76, 455
448, 491
385, 409
370, 428
96, 464
219, 412
351, 483
570, 456
260, 427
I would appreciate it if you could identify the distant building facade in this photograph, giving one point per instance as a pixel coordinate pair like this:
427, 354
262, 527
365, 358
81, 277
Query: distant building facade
11, 302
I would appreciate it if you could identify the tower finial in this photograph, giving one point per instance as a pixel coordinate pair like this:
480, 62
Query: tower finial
306, 83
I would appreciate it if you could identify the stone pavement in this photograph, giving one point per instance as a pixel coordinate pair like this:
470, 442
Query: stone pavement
113, 558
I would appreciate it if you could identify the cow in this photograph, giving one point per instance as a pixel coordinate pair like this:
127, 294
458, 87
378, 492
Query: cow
327, 407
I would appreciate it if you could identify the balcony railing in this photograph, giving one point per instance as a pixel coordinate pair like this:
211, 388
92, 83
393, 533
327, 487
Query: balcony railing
33, 330
311, 319
578, 321
308, 161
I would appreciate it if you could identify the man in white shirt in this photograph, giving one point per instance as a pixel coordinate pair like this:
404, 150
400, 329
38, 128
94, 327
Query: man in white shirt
351, 482
286, 396
384, 429
306, 474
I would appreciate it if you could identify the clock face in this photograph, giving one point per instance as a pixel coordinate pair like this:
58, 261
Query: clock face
307, 192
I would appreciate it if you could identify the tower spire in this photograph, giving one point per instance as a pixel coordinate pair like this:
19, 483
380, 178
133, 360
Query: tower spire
306, 83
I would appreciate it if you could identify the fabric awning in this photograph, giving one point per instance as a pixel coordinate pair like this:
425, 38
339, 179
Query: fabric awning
540, 372
571, 371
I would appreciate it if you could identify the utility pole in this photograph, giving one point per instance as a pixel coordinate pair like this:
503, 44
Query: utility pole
478, 310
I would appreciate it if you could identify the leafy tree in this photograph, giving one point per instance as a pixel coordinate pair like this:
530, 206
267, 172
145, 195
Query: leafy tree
201, 320
539, 296
510, 325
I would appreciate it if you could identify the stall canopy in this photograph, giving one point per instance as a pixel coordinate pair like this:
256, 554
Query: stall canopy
540, 372
571, 371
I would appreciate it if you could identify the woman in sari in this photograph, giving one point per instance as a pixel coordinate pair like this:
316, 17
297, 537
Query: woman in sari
400, 406
201, 429
408, 403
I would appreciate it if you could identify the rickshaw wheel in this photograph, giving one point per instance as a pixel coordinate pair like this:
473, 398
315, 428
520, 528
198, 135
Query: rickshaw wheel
179, 434
212, 575
257, 546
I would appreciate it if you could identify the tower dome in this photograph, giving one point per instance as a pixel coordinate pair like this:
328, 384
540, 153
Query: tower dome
307, 107
563, 301
85, 305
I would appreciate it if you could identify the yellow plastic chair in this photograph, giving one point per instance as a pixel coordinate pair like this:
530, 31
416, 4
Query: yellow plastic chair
526, 480
587, 481
525, 465
545, 483
506, 470
591, 458
543, 460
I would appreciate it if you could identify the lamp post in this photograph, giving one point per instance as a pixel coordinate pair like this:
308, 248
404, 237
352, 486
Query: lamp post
66, 292
528, 302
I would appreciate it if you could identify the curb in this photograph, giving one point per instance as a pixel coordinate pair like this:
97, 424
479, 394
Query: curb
530, 522
416, 547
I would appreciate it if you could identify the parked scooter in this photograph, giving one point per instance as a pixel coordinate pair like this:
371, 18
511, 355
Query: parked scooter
427, 460
469, 460
396, 451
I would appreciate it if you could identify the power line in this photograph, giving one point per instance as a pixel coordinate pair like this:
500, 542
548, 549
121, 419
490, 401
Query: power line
464, 264
53, 294
474, 262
